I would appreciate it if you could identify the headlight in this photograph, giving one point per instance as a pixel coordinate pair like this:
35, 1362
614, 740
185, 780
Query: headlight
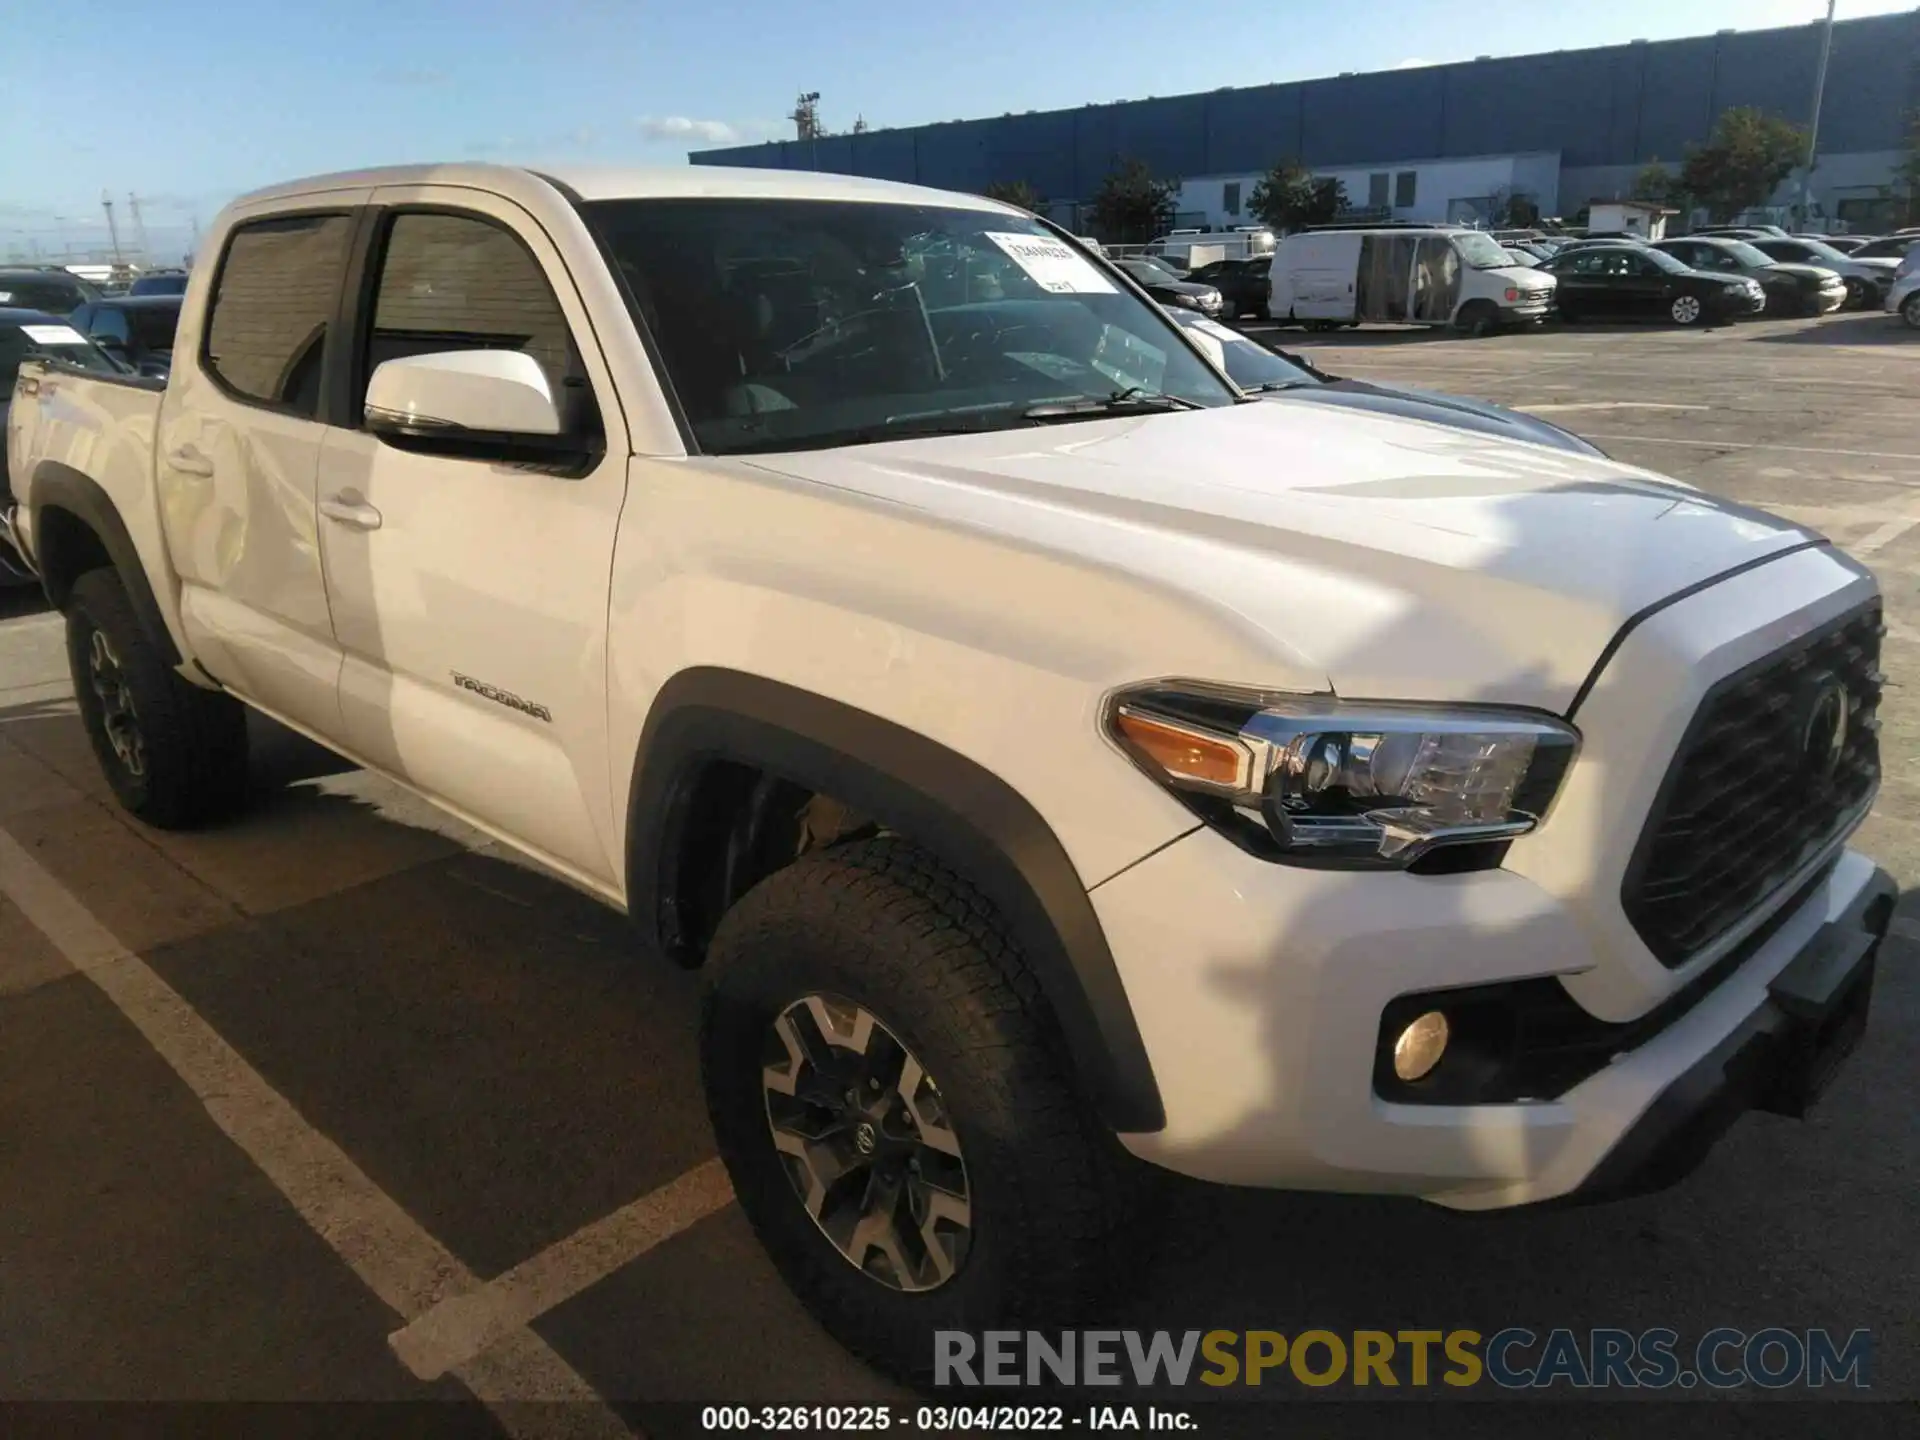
1312, 779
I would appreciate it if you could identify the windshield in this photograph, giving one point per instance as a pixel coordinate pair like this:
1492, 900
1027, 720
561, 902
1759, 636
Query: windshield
1744, 252
50, 341
1482, 252
1151, 272
1824, 251
1248, 363
810, 323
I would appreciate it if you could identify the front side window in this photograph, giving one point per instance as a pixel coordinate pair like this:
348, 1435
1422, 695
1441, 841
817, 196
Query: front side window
459, 282
809, 323
272, 303
153, 325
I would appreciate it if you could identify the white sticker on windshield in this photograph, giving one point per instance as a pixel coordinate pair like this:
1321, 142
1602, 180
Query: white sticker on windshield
1053, 264
1220, 332
53, 335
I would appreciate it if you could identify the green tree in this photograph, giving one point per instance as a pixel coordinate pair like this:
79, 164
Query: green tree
1750, 153
1131, 206
1290, 197
1016, 192
1658, 185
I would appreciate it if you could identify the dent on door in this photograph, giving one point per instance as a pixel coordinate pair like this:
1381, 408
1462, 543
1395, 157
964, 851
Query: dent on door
237, 506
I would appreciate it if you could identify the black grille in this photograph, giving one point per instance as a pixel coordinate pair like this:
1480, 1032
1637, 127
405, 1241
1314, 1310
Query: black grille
1754, 792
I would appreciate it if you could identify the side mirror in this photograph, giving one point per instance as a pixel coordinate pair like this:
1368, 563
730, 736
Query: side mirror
492, 405
499, 392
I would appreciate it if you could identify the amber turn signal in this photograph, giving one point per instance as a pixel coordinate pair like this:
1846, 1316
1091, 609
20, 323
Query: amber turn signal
1184, 753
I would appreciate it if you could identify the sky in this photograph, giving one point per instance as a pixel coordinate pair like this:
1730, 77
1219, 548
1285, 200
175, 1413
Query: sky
189, 102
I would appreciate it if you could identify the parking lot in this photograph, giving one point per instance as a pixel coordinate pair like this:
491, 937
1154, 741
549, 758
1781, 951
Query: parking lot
344, 1102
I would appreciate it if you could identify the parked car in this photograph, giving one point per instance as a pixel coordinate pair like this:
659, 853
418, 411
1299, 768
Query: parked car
1637, 282
1904, 298
46, 289
163, 282
1168, 288
971, 692
136, 330
1791, 289
33, 334
1845, 244
1743, 232
1268, 371
1405, 275
1889, 247
1243, 286
1867, 279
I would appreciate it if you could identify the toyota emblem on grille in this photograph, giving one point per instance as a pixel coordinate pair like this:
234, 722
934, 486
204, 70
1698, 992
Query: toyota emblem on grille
1823, 730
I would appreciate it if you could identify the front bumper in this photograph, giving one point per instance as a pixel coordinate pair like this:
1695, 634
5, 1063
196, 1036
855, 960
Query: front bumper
1260, 991
1779, 1059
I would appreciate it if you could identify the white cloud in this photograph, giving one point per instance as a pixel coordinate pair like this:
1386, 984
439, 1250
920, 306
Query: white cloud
681, 127
685, 129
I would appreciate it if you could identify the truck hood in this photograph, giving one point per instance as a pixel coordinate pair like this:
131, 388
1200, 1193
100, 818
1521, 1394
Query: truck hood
1378, 555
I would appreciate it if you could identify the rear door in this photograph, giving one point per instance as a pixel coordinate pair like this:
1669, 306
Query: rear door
469, 596
1324, 270
238, 448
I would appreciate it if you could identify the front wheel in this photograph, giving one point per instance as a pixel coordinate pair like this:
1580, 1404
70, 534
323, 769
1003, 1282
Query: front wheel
889, 1096
1478, 318
1856, 294
175, 754
1910, 310
1687, 310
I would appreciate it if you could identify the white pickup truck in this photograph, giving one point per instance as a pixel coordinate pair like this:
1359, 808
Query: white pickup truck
1053, 753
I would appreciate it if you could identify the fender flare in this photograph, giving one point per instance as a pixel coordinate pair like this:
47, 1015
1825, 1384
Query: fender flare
967, 816
60, 487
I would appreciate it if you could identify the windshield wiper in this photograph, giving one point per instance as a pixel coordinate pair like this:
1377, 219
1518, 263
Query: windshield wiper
976, 422
1272, 387
1134, 401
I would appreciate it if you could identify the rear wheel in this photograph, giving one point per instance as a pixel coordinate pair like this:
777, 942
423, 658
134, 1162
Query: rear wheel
175, 754
1687, 310
888, 1092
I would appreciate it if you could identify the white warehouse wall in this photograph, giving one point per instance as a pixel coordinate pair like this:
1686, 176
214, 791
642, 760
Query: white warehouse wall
1437, 185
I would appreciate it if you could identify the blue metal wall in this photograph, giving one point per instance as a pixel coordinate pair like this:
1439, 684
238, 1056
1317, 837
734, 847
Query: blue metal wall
1621, 105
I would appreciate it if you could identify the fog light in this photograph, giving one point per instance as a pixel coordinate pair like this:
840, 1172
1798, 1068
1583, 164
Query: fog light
1420, 1046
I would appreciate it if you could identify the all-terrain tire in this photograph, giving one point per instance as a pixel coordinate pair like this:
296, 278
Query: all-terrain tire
882, 925
189, 765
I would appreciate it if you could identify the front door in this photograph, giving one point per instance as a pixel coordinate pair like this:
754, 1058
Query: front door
470, 596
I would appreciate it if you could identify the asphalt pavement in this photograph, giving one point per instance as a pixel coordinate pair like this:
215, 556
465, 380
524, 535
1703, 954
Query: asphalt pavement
343, 1102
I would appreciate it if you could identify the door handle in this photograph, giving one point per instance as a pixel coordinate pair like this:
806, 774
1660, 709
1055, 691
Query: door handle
189, 461
350, 508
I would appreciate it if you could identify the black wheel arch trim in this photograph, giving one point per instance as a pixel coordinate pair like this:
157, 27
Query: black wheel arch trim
961, 812
59, 487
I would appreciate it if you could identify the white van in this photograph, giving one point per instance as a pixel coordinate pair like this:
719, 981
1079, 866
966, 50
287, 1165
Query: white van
1405, 276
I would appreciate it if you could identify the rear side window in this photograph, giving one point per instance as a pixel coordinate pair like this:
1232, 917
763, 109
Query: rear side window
267, 331
458, 282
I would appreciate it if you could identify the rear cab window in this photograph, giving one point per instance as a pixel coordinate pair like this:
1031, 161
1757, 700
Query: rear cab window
272, 307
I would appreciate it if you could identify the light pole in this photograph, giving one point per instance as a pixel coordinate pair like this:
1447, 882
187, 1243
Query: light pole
1813, 128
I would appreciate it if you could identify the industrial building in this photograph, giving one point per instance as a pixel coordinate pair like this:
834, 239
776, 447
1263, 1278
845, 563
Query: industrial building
1437, 142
